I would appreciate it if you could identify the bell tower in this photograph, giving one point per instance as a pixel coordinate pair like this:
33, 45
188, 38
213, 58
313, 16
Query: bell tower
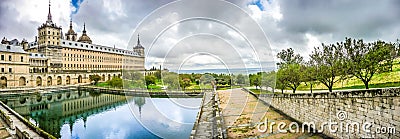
49, 38
71, 35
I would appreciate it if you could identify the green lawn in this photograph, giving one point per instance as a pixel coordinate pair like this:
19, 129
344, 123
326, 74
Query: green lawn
386, 79
259, 91
102, 84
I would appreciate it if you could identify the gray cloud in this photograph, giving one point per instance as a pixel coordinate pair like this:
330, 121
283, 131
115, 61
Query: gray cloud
302, 24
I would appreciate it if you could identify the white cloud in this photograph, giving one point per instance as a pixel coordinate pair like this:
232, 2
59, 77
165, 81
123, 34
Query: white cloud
114, 7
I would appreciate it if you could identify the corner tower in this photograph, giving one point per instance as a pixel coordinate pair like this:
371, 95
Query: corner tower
49, 38
139, 48
49, 34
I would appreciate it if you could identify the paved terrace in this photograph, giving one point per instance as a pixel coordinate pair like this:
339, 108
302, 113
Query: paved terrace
15, 128
242, 112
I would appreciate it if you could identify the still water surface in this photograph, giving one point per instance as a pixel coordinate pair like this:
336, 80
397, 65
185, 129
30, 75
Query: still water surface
84, 115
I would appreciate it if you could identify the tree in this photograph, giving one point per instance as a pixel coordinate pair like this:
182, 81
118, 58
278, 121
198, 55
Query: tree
268, 79
291, 69
310, 78
240, 79
289, 57
171, 80
364, 60
328, 63
150, 79
397, 47
293, 75
255, 80
96, 78
185, 83
115, 82
281, 82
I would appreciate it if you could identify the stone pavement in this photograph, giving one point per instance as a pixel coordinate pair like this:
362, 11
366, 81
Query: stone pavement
242, 113
209, 122
204, 129
17, 124
4, 133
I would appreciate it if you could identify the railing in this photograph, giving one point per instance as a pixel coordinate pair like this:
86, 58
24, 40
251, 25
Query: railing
196, 123
140, 90
7, 119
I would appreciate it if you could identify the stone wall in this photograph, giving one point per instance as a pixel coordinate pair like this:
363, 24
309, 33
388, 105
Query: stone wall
378, 109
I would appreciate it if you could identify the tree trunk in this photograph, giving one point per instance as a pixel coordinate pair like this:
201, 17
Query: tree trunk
366, 84
282, 91
311, 87
330, 89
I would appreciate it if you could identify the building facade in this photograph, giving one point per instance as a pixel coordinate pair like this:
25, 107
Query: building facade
54, 59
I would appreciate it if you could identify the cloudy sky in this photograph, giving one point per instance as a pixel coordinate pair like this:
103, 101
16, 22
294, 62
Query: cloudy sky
227, 34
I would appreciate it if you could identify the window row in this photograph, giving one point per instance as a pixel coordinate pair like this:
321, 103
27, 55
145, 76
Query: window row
3, 58
49, 33
9, 70
91, 66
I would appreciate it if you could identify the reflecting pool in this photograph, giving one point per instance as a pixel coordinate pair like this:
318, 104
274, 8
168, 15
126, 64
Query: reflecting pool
79, 114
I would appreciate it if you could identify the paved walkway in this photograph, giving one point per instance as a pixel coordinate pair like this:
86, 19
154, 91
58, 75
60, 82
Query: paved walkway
242, 113
209, 121
204, 129
3, 130
18, 124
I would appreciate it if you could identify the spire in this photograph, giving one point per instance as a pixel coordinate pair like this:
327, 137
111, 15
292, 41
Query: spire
138, 45
84, 28
70, 24
138, 40
49, 19
85, 38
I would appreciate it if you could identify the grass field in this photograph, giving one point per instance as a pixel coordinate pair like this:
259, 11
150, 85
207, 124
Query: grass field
259, 91
386, 79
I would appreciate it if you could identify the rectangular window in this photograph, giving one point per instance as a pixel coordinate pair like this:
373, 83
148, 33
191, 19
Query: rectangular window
2, 57
22, 59
10, 70
2, 69
10, 58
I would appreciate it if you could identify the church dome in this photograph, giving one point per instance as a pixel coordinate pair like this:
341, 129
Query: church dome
85, 38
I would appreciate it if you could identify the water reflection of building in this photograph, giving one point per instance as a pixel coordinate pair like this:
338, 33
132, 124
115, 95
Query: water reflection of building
139, 101
52, 111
